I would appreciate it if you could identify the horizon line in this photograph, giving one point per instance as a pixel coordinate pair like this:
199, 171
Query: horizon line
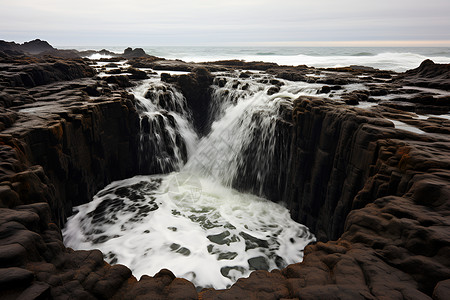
368, 43
371, 43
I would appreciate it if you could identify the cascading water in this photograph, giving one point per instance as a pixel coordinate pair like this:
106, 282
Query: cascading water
248, 143
192, 221
167, 136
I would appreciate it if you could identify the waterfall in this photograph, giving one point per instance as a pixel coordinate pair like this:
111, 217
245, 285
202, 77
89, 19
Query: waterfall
167, 137
247, 147
193, 221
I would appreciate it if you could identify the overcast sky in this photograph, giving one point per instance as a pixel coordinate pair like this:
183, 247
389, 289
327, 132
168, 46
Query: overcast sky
226, 22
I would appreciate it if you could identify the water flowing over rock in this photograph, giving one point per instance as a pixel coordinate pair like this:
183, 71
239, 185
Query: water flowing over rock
166, 136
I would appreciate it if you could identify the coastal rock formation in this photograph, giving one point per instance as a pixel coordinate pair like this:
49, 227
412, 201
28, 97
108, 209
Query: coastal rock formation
35, 72
32, 47
376, 196
195, 87
60, 134
394, 243
429, 74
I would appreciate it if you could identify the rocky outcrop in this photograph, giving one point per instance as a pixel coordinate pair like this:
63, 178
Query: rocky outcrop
32, 47
332, 150
81, 149
34, 72
428, 74
137, 52
195, 87
34, 264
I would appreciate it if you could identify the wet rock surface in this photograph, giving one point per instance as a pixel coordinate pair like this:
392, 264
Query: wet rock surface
372, 188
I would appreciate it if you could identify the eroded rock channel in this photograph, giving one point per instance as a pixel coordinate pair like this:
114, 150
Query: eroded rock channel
358, 155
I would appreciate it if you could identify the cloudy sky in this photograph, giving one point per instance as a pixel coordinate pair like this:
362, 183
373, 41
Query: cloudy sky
227, 22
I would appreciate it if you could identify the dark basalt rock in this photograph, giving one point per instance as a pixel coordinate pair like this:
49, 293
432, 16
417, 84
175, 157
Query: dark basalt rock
91, 52
137, 74
137, 52
195, 87
381, 193
119, 80
428, 74
26, 73
32, 47
273, 90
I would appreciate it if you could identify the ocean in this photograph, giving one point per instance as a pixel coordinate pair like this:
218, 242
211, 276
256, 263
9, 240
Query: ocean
397, 59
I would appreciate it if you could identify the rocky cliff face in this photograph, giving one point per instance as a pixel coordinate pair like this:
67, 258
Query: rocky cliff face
382, 194
64, 144
332, 151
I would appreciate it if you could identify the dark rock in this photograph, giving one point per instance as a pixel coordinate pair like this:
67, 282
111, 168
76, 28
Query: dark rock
8, 197
292, 76
258, 263
273, 90
59, 53
44, 72
442, 290
15, 277
36, 291
137, 74
351, 101
36, 46
245, 75
120, 80
32, 47
325, 89
6, 100
12, 255
166, 77
195, 87
132, 53
428, 74
92, 90
259, 285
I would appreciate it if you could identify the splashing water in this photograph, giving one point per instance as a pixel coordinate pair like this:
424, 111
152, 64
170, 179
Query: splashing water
192, 221
249, 126
202, 231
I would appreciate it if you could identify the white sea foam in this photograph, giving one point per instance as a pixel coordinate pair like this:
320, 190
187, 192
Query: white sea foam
99, 56
197, 228
398, 62
387, 58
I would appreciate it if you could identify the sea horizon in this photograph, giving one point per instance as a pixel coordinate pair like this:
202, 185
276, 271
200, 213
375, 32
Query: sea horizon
397, 59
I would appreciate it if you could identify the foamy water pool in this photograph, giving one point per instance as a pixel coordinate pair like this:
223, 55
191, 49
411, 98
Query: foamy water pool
195, 227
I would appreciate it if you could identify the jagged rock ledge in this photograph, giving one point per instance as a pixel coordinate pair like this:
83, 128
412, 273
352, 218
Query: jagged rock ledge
382, 193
